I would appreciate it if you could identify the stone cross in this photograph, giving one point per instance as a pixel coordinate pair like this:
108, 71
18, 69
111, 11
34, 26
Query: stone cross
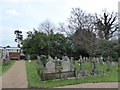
81, 71
95, 71
94, 62
56, 63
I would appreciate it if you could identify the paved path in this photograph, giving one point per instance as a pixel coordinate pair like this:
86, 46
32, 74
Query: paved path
16, 76
93, 85
0, 82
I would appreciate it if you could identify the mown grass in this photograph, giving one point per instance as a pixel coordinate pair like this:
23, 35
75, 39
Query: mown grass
35, 82
4, 68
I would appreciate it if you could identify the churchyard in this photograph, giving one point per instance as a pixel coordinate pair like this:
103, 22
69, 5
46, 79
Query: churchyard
59, 72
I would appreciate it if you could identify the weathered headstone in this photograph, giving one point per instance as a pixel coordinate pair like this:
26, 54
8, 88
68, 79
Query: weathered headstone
87, 59
81, 71
72, 63
109, 69
71, 59
65, 66
50, 58
95, 71
50, 66
66, 58
84, 59
101, 61
56, 63
39, 61
28, 58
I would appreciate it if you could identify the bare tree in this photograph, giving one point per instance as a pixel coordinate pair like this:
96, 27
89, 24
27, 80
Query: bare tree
107, 25
80, 20
47, 27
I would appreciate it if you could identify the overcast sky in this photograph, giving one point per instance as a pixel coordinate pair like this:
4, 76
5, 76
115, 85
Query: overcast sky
25, 15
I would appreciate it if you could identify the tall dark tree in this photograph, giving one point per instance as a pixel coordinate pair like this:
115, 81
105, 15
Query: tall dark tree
106, 25
19, 37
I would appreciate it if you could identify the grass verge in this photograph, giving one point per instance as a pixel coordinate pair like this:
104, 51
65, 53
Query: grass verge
35, 82
5, 68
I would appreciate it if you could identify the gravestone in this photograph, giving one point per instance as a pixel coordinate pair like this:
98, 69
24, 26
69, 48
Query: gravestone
50, 66
95, 71
59, 61
50, 58
81, 71
101, 61
28, 57
39, 61
66, 58
118, 65
72, 63
87, 59
66, 66
109, 69
84, 59
113, 63
56, 63
71, 59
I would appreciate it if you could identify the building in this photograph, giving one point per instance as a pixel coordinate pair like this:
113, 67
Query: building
13, 53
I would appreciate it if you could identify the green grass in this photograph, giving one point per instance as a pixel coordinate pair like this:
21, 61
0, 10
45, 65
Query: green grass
4, 68
0, 69
35, 82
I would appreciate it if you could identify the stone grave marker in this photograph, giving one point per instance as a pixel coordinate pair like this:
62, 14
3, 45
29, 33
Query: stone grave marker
50, 66
101, 61
39, 61
87, 59
95, 71
65, 65
50, 58
72, 63
81, 71
56, 63
66, 58
109, 69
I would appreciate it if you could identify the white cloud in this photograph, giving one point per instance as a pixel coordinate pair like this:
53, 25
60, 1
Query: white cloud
24, 1
12, 12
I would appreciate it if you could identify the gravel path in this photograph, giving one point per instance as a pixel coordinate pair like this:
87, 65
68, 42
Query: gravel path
16, 76
93, 85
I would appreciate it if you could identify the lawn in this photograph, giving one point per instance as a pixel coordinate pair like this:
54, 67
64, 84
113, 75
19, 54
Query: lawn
35, 82
5, 68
